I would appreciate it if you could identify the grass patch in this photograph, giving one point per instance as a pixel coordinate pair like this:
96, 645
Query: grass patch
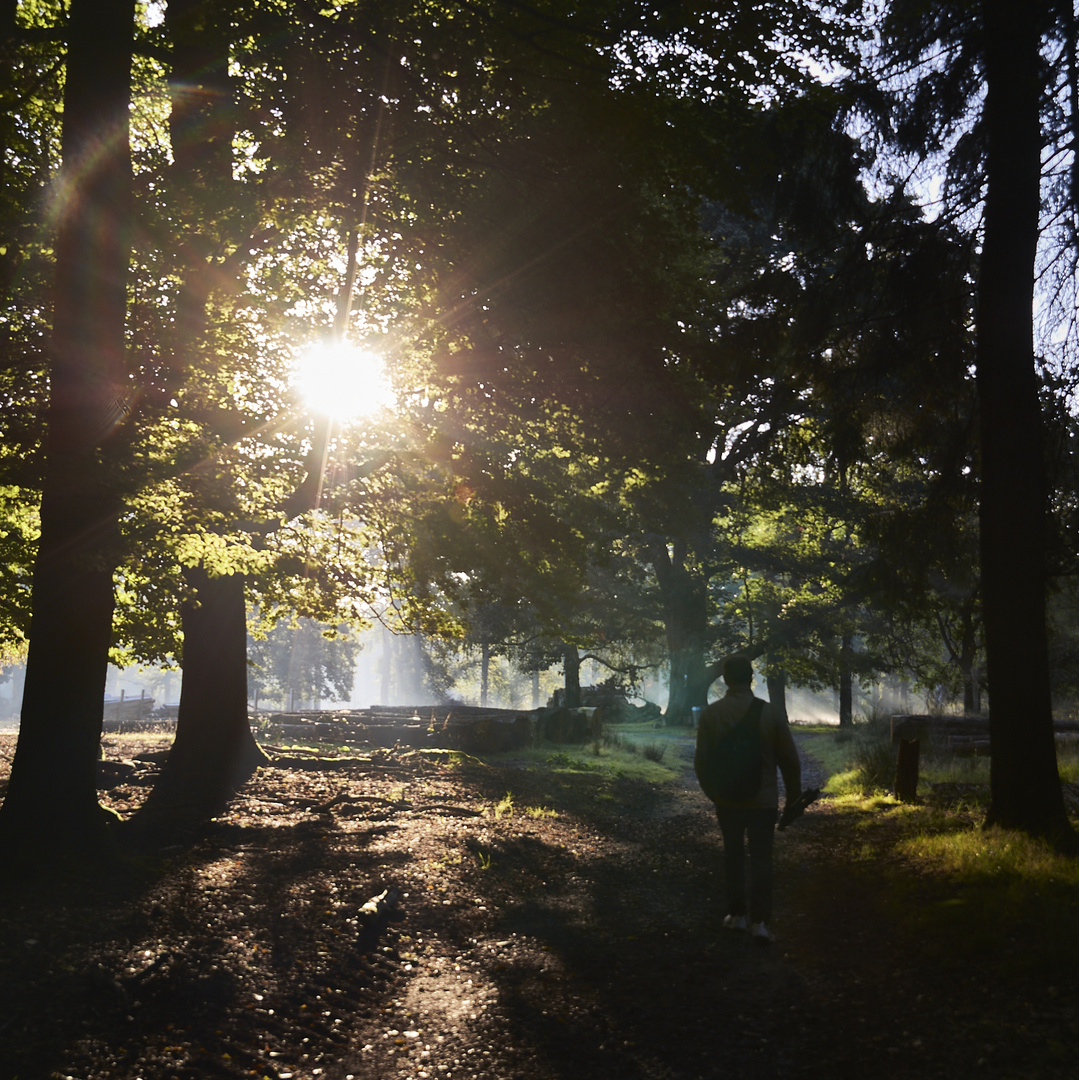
1068, 758
992, 890
949, 769
822, 744
945, 877
608, 760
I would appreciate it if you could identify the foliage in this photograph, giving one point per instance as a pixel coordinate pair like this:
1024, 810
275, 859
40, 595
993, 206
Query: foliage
670, 379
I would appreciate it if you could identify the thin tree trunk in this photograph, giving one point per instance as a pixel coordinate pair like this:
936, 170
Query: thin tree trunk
51, 802
387, 667
846, 682
1025, 791
571, 671
485, 671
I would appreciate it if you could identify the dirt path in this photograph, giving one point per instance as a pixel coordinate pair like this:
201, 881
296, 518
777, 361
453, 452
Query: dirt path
526, 946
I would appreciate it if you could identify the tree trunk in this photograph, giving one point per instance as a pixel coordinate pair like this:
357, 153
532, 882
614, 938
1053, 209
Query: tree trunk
1025, 791
685, 618
51, 802
571, 671
214, 752
387, 667
777, 688
846, 682
485, 671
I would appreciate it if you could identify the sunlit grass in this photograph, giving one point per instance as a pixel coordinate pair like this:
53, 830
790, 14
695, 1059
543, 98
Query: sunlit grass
605, 760
824, 745
948, 769
1068, 758
946, 876
994, 888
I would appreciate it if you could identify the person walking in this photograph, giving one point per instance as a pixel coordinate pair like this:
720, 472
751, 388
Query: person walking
741, 740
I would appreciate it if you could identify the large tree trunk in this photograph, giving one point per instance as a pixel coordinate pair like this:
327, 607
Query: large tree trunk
685, 618
52, 797
777, 688
1025, 790
214, 751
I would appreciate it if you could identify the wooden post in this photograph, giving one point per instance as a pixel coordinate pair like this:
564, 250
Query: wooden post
906, 770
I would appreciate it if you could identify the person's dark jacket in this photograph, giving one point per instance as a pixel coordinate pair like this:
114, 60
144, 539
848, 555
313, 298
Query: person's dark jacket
778, 749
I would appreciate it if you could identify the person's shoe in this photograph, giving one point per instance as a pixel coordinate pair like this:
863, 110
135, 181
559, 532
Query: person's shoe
734, 922
761, 934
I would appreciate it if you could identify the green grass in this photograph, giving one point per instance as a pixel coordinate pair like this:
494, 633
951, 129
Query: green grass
1068, 758
641, 751
947, 876
992, 889
608, 762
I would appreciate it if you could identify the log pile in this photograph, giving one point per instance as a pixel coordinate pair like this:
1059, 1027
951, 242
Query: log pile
458, 727
128, 714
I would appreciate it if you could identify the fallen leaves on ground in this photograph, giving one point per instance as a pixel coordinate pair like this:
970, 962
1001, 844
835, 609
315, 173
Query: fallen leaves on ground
584, 943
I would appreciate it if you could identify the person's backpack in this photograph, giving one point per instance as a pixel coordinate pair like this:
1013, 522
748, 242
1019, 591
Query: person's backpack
729, 766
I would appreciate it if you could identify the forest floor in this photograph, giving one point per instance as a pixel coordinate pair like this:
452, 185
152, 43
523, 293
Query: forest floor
570, 931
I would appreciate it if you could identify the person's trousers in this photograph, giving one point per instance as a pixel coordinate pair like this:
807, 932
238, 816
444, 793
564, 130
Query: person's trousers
755, 829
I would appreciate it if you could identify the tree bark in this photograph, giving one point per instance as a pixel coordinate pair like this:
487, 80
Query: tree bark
571, 672
387, 667
485, 671
1025, 791
685, 619
777, 688
52, 803
846, 682
968, 664
214, 751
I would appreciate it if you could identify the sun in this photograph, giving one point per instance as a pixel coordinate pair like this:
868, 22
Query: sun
342, 381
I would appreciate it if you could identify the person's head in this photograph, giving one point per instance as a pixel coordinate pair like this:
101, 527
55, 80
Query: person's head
738, 671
